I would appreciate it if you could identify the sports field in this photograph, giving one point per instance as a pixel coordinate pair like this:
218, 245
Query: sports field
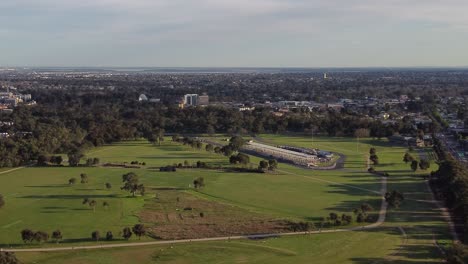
42, 199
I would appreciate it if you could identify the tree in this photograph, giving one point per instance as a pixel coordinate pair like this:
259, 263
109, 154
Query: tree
139, 230
41, 236
85, 201
71, 181
131, 184
89, 162
74, 157
372, 151
42, 160
457, 254
209, 148
27, 235
96, 236
105, 204
84, 178
407, 158
8, 258
109, 236
92, 204
375, 159
57, 160
414, 165
239, 159
198, 145
57, 236
217, 150
394, 198
199, 182
263, 165
108, 186
365, 207
236, 142
2, 201
126, 233
272, 164
424, 164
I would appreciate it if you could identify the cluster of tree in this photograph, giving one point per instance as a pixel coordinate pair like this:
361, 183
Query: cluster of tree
155, 136
373, 156
93, 203
8, 258
300, 226
45, 160
186, 165
334, 219
192, 142
132, 184
138, 229
84, 178
408, 158
362, 213
29, 236
423, 164
62, 123
199, 183
168, 168
136, 162
450, 183
239, 159
270, 164
457, 254
92, 161
394, 198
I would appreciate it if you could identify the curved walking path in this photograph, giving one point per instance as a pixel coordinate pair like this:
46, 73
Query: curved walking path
379, 222
15, 169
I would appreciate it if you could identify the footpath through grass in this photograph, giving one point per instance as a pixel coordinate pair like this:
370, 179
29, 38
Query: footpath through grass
41, 199
355, 247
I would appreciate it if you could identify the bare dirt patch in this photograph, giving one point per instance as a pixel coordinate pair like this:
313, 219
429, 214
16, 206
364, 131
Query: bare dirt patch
176, 214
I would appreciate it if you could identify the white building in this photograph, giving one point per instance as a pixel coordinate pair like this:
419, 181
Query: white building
191, 99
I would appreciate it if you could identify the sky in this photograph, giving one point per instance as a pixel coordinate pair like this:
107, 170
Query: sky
234, 33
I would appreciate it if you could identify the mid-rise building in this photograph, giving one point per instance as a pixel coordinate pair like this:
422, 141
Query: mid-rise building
203, 99
191, 99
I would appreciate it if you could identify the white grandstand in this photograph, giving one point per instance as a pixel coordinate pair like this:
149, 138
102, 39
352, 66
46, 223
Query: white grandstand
295, 157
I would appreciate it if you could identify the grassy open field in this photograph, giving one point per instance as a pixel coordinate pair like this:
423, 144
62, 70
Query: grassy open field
41, 199
357, 247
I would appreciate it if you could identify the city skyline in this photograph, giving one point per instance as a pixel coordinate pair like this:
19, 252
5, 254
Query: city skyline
256, 33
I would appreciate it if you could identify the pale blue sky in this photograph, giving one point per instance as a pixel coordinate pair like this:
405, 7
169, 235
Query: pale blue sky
270, 33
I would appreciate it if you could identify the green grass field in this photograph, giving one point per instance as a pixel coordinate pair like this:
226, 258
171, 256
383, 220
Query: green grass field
356, 247
41, 199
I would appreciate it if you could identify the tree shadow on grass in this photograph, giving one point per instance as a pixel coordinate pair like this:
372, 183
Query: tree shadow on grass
47, 186
96, 189
65, 196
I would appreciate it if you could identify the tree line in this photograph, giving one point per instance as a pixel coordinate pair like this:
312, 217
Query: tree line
82, 120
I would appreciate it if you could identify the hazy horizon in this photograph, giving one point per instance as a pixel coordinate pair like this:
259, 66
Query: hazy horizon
232, 34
